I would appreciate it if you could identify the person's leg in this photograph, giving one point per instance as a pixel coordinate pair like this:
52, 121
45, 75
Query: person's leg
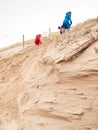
37, 43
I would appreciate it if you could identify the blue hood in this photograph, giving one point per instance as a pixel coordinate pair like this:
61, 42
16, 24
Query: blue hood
68, 15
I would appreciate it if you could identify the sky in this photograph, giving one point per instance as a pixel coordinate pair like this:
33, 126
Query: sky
30, 17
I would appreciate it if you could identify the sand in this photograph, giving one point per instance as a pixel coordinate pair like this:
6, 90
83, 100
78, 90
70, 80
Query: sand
38, 93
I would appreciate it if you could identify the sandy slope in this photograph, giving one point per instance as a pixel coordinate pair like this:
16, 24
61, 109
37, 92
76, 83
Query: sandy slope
38, 93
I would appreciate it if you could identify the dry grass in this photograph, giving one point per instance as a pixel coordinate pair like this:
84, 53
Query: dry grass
16, 45
77, 30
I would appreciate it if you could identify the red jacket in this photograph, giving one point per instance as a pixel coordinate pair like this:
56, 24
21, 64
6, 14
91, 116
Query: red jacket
37, 39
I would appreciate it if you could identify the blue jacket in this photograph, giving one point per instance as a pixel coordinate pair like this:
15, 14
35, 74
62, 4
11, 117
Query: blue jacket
67, 21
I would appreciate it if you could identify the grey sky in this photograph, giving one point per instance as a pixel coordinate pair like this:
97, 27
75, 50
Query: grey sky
30, 17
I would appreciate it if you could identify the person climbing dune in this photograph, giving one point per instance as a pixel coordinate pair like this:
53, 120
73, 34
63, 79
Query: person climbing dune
37, 40
61, 30
67, 21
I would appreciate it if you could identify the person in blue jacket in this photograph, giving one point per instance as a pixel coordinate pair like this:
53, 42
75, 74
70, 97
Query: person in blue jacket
67, 21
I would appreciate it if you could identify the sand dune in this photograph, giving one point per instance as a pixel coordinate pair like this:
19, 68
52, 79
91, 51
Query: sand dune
40, 90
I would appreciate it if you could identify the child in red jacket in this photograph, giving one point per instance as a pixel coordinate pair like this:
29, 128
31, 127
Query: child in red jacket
37, 39
61, 30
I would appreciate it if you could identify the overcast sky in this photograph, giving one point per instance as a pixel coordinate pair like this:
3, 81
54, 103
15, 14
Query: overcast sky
29, 17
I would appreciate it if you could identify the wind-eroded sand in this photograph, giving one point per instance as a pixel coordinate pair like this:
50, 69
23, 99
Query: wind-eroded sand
37, 93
